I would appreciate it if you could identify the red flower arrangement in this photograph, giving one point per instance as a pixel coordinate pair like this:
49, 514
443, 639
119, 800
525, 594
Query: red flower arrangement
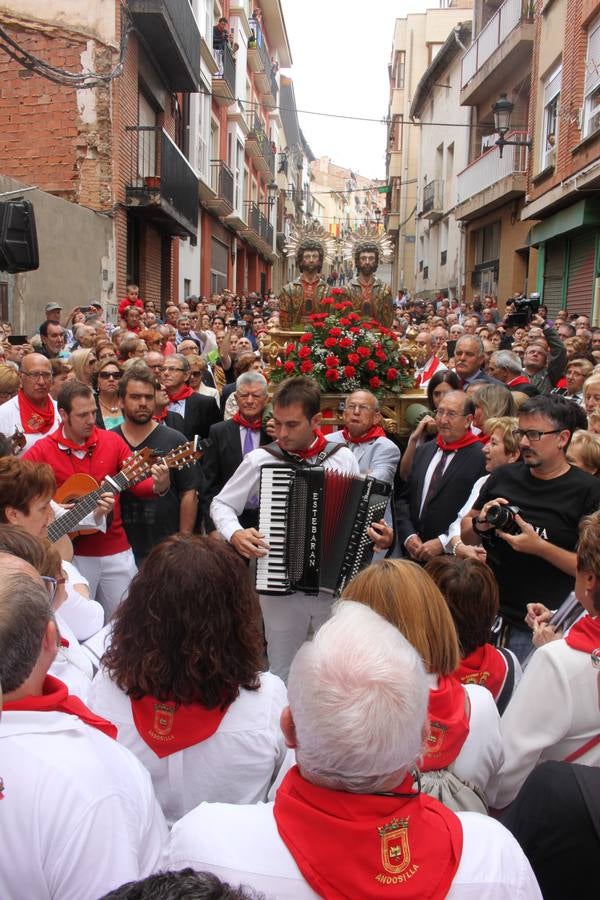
344, 352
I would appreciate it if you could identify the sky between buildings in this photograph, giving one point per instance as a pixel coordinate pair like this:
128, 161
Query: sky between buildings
340, 52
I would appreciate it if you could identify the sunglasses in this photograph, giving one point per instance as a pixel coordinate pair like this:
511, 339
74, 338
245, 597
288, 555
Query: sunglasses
106, 375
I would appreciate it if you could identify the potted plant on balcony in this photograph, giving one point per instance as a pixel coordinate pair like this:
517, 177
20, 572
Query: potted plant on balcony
152, 182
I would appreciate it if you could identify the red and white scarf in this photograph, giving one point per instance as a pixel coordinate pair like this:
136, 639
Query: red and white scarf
167, 727
35, 419
448, 724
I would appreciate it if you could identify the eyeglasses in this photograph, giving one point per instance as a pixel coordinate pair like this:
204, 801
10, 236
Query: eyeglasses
172, 369
52, 585
449, 414
106, 375
360, 407
38, 376
531, 434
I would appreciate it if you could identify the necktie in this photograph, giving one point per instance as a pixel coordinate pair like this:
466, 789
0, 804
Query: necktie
248, 442
436, 476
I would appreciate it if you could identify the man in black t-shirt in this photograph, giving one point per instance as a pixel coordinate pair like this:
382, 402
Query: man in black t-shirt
148, 523
538, 563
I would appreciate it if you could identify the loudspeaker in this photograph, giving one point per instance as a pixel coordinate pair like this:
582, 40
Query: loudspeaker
18, 237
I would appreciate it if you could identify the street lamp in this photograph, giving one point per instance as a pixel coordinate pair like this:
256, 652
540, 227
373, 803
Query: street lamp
502, 110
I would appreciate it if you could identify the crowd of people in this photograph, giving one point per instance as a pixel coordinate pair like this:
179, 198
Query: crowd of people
169, 731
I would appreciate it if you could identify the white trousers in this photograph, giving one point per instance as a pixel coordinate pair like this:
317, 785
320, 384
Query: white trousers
290, 620
109, 577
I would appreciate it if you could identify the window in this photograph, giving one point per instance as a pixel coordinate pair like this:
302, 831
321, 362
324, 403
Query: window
443, 257
550, 120
203, 152
591, 109
400, 67
187, 287
238, 174
487, 244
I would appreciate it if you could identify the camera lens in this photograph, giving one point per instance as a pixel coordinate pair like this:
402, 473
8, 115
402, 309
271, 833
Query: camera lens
499, 517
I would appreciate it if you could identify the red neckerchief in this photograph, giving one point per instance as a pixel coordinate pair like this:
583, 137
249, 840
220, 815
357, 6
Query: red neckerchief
375, 431
464, 441
585, 634
161, 415
485, 666
35, 419
448, 724
317, 446
520, 379
356, 845
56, 698
245, 423
167, 728
561, 383
59, 437
183, 393
428, 373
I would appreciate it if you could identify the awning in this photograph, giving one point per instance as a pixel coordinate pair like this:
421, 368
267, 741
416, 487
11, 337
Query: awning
585, 213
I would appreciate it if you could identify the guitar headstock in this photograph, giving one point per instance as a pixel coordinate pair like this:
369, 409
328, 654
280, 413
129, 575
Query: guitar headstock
182, 456
138, 466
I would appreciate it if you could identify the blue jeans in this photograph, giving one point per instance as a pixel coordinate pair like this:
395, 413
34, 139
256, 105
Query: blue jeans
519, 641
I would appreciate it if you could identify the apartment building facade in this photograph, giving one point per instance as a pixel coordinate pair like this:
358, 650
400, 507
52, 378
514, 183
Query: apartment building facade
176, 145
491, 188
564, 173
417, 39
444, 152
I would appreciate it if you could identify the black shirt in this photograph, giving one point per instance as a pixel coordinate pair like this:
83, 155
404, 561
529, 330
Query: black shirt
554, 508
148, 522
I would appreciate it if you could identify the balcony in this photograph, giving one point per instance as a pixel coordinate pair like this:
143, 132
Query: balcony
161, 185
489, 181
259, 61
433, 200
170, 31
223, 81
501, 47
259, 231
258, 146
220, 201
240, 114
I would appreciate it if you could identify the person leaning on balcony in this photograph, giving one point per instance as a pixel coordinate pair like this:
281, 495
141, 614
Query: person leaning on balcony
220, 34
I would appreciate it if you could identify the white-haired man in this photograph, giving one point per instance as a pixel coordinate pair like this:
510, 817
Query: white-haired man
79, 815
428, 363
362, 433
347, 821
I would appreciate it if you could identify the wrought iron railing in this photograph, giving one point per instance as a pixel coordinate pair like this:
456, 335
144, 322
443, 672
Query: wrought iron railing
221, 180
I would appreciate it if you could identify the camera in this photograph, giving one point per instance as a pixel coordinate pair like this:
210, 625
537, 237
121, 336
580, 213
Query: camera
524, 309
503, 518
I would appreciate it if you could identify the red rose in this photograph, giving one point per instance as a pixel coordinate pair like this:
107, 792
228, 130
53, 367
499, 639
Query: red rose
326, 301
337, 291
367, 326
289, 348
354, 358
349, 371
331, 362
375, 382
289, 366
345, 343
363, 351
355, 330
306, 367
304, 352
338, 306
335, 332
354, 317
306, 338
332, 375
330, 342
370, 365
344, 321
391, 374
381, 355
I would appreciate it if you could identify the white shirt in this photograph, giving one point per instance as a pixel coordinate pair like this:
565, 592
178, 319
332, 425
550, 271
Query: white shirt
231, 501
237, 764
83, 615
553, 712
10, 418
79, 816
454, 529
242, 844
177, 406
440, 367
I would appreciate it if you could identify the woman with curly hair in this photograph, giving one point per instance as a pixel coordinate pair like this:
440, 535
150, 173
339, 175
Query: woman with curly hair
182, 680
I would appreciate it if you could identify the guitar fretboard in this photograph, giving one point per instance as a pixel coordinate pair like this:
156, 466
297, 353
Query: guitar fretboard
82, 508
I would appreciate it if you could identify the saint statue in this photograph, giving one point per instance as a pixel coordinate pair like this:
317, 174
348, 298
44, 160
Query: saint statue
300, 298
370, 296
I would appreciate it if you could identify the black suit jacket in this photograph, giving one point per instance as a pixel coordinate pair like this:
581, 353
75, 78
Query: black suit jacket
221, 459
449, 495
200, 413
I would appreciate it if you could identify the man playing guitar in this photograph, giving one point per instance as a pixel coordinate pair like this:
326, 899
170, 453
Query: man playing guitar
78, 446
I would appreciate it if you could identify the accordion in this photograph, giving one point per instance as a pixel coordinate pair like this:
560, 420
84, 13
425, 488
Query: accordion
315, 521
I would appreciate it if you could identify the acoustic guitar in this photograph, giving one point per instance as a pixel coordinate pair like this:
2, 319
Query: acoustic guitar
85, 492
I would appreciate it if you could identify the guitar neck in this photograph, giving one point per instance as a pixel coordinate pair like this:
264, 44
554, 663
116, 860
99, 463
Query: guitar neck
87, 504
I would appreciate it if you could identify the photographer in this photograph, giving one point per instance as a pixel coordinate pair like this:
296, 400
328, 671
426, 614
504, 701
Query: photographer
537, 562
545, 362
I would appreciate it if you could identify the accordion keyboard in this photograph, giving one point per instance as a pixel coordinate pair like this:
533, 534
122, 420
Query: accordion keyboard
271, 570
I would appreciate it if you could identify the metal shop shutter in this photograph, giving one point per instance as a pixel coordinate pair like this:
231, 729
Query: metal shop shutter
553, 276
580, 279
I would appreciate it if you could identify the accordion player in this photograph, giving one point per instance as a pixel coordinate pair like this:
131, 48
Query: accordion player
315, 521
